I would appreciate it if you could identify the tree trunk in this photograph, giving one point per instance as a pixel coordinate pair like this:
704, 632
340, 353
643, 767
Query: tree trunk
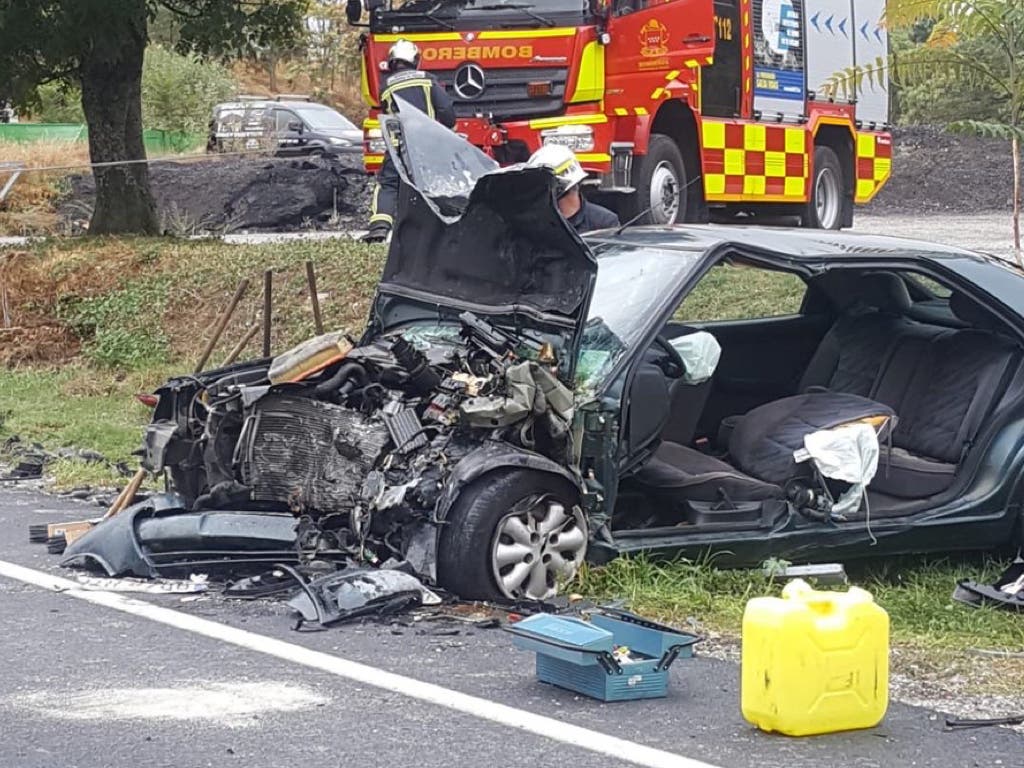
1015, 143
111, 79
272, 72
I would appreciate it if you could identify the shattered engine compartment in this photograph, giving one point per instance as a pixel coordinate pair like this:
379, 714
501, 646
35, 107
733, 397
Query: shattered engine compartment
355, 442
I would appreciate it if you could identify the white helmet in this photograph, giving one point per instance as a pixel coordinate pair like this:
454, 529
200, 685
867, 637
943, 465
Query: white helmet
405, 51
562, 161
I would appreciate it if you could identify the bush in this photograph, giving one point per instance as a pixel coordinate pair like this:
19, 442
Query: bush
179, 91
122, 329
58, 104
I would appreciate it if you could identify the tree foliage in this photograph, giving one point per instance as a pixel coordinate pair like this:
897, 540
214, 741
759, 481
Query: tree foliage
976, 47
180, 89
98, 46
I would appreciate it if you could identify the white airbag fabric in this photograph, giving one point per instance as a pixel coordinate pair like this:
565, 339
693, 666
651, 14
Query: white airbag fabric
700, 352
848, 453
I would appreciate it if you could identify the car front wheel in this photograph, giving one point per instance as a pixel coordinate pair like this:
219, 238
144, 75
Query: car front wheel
514, 535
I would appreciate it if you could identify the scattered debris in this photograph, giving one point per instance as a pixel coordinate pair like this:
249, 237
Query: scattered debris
823, 573
160, 537
954, 723
357, 592
195, 583
1006, 592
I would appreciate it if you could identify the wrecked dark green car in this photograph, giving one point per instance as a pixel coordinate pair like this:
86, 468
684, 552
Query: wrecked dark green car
522, 399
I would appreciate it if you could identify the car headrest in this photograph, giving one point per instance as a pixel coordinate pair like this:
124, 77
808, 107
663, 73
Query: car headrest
883, 291
974, 314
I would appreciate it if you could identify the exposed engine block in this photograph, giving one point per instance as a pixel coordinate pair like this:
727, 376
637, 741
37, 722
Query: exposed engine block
308, 454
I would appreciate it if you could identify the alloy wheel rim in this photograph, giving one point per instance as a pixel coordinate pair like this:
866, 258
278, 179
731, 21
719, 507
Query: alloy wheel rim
538, 544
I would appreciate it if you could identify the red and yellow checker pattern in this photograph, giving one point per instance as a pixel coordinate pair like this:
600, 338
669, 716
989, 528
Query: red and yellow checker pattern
874, 164
759, 163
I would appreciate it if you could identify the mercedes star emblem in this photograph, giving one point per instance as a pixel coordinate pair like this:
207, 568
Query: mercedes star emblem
469, 82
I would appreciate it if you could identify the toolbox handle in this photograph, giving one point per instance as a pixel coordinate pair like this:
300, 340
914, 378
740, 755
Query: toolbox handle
640, 621
604, 658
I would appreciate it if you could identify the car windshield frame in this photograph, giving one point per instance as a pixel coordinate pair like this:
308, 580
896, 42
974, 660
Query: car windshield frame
305, 113
636, 284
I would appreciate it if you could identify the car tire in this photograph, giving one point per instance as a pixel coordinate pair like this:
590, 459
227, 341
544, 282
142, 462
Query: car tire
657, 176
512, 525
824, 209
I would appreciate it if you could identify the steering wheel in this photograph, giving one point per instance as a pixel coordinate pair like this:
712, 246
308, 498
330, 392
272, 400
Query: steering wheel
674, 367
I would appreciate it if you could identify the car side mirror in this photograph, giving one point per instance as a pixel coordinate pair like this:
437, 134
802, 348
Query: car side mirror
353, 11
296, 127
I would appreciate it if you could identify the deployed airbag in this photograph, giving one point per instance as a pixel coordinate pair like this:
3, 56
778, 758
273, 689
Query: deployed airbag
700, 353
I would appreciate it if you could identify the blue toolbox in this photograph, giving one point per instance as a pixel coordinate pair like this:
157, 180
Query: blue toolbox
615, 656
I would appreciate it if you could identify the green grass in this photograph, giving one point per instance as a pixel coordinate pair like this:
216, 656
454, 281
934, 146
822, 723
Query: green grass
742, 293
81, 408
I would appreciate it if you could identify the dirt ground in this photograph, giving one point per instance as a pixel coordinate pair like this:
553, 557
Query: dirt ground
935, 171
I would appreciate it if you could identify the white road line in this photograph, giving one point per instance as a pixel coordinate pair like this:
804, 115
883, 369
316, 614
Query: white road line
593, 741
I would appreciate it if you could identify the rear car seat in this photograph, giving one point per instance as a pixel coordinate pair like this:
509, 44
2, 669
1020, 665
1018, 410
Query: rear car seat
941, 383
943, 387
849, 357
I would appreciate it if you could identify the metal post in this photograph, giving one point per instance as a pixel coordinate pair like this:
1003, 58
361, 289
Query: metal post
268, 290
222, 322
314, 299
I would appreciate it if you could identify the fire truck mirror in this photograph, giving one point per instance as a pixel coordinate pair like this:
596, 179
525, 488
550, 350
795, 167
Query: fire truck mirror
354, 11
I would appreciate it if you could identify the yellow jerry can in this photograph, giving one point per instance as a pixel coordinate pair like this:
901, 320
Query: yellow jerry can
814, 662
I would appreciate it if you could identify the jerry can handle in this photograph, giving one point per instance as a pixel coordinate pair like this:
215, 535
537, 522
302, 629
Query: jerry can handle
798, 589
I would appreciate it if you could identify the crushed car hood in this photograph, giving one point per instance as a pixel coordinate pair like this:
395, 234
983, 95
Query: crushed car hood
472, 236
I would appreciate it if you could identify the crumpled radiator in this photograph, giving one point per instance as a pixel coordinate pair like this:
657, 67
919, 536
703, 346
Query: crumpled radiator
308, 454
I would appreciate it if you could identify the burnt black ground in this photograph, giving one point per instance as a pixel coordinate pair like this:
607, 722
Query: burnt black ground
228, 194
935, 171
54, 644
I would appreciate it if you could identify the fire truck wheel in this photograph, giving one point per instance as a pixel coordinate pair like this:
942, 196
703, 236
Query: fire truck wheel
660, 183
825, 208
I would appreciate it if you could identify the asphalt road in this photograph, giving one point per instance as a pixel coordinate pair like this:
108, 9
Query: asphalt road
90, 686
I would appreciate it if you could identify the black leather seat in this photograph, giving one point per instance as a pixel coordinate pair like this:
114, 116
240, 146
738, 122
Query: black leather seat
943, 390
942, 385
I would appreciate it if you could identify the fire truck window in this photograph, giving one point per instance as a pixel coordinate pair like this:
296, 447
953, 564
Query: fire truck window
722, 84
730, 292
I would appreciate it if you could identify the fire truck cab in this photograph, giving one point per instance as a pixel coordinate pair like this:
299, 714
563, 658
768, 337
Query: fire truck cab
674, 107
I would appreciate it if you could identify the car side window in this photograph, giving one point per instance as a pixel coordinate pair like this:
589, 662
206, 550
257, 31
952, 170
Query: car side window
742, 292
284, 117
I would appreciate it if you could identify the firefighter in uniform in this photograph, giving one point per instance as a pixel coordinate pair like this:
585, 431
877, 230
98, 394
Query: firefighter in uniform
584, 216
421, 90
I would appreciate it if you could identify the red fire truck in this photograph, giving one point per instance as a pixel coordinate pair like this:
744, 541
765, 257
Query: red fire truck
673, 106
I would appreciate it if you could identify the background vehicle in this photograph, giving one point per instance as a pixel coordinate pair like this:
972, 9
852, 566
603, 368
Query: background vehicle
284, 126
671, 106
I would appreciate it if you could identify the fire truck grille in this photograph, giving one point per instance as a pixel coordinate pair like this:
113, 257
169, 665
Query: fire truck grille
505, 95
